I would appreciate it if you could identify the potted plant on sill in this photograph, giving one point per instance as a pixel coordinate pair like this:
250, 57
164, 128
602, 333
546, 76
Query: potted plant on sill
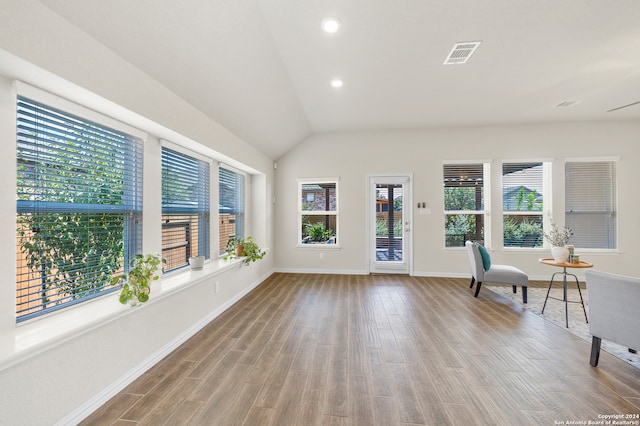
245, 248
143, 270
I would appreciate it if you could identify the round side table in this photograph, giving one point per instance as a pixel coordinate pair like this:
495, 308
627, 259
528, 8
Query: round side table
564, 265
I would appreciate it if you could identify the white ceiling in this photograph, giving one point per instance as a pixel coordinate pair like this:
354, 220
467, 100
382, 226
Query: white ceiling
262, 68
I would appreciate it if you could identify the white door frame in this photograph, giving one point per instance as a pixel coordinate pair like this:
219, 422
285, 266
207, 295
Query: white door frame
404, 267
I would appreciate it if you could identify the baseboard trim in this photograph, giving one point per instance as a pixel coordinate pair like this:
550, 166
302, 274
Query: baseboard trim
91, 405
439, 275
321, 271
546, 278
414, 273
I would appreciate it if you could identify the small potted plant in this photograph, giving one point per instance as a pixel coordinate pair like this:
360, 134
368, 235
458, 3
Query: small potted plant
558, 239
143, 270
245, 248
196, 262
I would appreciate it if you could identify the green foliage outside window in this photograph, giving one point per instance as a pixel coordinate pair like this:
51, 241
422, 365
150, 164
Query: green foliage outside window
317, 232
76, 253
73, 249
522, 233
529, 200
397, 204
460, 198
383, 231
458, 228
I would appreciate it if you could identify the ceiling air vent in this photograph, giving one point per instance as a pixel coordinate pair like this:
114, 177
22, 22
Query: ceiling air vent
461, 52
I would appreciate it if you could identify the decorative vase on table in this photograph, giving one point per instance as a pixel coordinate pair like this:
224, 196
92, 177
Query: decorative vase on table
560, 254
558, 239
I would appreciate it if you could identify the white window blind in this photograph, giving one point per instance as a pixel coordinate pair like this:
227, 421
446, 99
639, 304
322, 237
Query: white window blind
79, 204
464, 187
185, 208
522, 204
231, 211
591, 204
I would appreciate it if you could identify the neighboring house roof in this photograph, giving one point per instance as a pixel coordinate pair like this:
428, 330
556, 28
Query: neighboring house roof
510, 198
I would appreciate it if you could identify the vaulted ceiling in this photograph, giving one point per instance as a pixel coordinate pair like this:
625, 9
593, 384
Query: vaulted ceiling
262, 68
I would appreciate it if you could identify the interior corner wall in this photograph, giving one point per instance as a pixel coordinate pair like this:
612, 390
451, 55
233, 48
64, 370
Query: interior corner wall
46, 387
355, 155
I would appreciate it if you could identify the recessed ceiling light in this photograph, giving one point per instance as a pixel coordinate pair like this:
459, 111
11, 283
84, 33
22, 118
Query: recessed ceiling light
331, 24
336, 82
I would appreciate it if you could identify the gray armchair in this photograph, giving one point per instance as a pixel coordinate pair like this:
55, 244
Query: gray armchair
613, 311
499, 274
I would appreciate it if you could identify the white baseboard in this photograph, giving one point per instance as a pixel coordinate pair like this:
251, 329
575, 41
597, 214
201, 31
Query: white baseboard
321, 271
440, 274
468, 275
86, 409
414, 273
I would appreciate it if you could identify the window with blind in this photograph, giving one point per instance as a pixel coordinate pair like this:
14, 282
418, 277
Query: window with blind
522, 204
591, 204
464, 203
317, 212
231, 212
185, 208
79, 204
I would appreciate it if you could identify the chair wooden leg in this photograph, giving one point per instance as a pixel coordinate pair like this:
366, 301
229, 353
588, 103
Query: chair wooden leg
478, 289
473, 280
524, 294
515, 289
595, 351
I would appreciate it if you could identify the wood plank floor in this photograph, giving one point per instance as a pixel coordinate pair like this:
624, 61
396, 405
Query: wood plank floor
313, 349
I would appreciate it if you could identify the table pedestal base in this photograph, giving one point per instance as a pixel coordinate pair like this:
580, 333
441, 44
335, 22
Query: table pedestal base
564, 298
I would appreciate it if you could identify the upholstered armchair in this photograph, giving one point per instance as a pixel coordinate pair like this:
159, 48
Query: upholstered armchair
613, 311
482, 270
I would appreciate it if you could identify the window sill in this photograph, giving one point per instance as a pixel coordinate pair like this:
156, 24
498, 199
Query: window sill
537, 250
319, 246
547, 250
39, 334
523, 250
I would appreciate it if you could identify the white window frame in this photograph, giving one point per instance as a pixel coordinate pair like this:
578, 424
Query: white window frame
245, 201
486, 184
212, 167
87, 115
547, 167
604, 159
336, 213
33, 336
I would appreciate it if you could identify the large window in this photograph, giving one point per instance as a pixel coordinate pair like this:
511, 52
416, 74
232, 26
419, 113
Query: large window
185, 208
464, 203
79, 204
231, 211
522, 204
318, 212
591, 203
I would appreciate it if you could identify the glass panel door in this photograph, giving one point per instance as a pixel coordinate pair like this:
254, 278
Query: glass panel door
389, 225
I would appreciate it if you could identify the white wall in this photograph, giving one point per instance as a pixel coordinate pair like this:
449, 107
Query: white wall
49, 384
353, 156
